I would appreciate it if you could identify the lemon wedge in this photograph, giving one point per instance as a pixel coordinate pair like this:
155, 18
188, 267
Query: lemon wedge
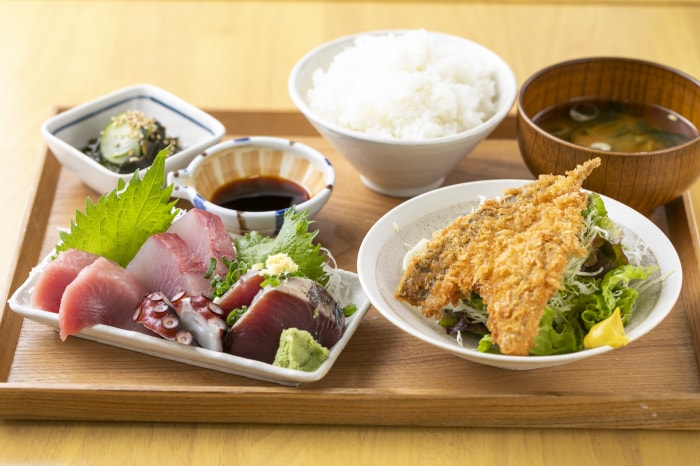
609, 332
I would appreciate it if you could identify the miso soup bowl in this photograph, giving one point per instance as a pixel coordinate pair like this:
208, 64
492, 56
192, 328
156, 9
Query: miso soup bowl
400, 167
642, 180
249, 157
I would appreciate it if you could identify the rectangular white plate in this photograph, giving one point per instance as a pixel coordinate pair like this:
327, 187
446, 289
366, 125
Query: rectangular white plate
21, 303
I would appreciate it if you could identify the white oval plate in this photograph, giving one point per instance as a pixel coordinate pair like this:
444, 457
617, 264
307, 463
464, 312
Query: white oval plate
21, 303
380, 257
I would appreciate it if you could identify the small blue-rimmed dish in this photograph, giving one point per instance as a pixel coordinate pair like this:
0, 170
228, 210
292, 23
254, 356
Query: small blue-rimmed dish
69, 132
254, 159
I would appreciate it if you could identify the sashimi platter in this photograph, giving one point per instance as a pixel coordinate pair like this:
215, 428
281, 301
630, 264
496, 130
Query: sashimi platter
137, 272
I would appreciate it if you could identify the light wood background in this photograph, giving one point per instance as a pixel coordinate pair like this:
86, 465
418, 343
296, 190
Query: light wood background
237, 55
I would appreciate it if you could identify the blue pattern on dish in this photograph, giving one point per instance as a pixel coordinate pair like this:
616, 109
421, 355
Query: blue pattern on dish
121, 102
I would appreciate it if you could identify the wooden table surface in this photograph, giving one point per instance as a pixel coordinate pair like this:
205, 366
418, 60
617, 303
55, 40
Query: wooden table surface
237, 55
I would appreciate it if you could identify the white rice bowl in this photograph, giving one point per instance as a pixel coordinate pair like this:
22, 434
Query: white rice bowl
408, 85
403, 107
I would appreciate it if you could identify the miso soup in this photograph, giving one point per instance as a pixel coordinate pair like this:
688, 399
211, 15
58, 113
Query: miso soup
616, 126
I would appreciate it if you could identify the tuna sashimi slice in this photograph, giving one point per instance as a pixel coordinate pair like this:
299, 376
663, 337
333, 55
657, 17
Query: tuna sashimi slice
102, 293
57, 275
296, 302
165, 263
206, 236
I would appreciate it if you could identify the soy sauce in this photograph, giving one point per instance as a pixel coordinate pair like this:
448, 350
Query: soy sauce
260, 193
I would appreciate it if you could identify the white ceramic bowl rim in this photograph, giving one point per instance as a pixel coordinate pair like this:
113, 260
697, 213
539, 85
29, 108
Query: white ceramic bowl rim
608, 153
507, 99
288, 145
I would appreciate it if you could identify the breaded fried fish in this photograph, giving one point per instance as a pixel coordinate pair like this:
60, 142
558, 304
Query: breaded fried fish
513, 252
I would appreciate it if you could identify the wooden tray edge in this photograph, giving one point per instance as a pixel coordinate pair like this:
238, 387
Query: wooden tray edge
684, 235
28, 253
346, 407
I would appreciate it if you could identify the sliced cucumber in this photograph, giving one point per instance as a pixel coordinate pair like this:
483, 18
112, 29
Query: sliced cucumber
124, 138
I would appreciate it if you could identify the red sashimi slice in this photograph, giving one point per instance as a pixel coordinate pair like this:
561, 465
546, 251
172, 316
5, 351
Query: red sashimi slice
206, 236
165, 263
242, 292
102, 293
57, 275
296, 302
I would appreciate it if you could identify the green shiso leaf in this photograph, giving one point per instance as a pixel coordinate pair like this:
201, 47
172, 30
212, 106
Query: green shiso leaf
123, 219
293, 239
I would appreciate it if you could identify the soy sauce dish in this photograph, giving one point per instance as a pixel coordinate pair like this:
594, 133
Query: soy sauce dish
250, 182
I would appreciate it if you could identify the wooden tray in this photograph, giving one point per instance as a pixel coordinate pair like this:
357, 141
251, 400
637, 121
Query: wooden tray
384, 377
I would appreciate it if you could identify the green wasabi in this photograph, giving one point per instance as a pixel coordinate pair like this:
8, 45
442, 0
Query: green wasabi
298, 350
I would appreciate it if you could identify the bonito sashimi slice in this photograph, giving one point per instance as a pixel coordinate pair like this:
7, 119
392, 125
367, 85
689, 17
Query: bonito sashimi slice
297, 302
242, 293
513, 252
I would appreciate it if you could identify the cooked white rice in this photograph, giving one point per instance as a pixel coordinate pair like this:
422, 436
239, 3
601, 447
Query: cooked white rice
405, 86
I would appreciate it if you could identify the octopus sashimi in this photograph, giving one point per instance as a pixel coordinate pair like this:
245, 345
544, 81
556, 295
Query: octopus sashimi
203, 318
296, 302
102, 293
156, 313
195, 321
57, 275
165, 263
206, 236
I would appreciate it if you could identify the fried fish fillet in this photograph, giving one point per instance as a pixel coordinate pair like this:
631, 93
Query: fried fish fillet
513, 252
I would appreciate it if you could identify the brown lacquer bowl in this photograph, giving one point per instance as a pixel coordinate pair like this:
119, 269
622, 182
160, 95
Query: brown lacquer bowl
642, 180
